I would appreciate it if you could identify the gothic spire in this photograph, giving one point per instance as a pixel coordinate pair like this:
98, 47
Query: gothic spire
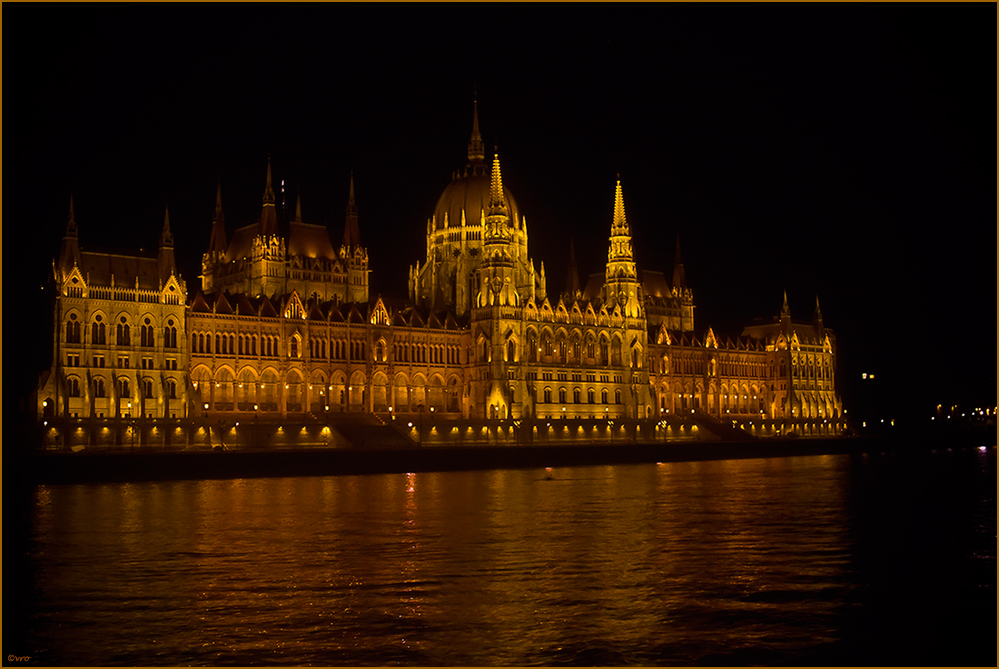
167, 263
166, 237
497, 201
619, 218
268, 216
572, 274
679, 277
71, 220
69, 254
298, 207
351, 231
217, 242
476, 150
818, 312
621, 274
785, 311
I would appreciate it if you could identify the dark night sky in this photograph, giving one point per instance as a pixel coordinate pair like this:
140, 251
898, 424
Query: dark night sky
838, 150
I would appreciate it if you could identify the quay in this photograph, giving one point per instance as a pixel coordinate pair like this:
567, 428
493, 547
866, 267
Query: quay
371, 446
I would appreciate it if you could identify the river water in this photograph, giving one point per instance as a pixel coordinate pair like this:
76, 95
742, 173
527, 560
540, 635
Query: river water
881, 559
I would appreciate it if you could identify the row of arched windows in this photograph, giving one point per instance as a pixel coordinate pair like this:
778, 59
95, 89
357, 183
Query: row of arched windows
230, 344
122, 332
123, 388
577, 396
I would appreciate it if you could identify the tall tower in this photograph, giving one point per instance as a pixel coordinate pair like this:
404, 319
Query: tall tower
621, 286
497, 323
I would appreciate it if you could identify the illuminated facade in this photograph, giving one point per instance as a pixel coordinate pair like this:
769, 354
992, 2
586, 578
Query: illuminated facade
120, 349
283, 327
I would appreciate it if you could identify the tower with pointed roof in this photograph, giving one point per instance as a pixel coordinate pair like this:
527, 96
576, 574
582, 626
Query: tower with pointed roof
621, 286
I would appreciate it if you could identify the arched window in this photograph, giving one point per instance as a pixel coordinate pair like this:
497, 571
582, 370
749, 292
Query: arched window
99, 387
122, 335
532, 347
511, 350
72, 330
604, 357
617, 397
171, 389
561, 395
576, 395
73, 386
147, 388
98, 331
603, 397
590, 396
293, 347
548, 395
170, 335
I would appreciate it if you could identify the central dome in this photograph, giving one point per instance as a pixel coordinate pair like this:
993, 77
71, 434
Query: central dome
469, 193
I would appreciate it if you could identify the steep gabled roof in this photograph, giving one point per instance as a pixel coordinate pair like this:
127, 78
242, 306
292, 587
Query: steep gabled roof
243, 305
199, 304
266, 308
222, 305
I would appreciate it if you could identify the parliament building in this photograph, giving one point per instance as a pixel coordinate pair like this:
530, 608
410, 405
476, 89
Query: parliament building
283, 328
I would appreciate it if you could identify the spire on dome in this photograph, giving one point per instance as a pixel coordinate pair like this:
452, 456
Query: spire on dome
351, 231
785, 311
497, 201
476, 150
268, 216
818, 312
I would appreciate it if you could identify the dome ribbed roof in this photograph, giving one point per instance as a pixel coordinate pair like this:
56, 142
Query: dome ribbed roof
470, 192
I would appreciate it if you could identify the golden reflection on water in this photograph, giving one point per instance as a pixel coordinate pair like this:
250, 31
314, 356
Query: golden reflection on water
494, 567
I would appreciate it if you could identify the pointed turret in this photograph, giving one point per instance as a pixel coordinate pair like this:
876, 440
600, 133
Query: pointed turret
785, 311
268, 215
818, 312
476, 149
497, 201
351, 230
572, 274
69, 254
679, 277
620, 222
217, 243
621, 275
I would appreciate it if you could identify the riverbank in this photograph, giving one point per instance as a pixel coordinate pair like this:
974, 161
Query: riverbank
57, 468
